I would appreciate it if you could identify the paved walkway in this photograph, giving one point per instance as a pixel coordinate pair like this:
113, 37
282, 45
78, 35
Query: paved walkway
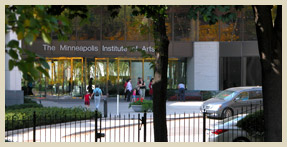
172, 107
126, 129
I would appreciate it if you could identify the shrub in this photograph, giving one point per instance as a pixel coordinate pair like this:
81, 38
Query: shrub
24, 106
27, 100
22, 118
28, 103
146, 104
253, 123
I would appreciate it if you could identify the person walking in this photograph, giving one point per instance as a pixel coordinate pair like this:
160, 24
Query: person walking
134, 94
150, 88
87, 99
97, 93
125, 87
142, 87
181, 90
138, 85
129, 90
90, 87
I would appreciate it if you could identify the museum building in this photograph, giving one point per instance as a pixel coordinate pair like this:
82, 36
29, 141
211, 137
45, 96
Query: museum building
109, 50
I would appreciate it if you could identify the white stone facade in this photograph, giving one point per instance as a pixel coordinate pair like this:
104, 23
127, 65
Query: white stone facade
203, 67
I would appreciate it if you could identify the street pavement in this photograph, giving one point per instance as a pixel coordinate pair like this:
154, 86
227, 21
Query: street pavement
126, 130
172, 107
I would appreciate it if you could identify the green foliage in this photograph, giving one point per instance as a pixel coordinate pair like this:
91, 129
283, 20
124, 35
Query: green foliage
23, 106
146, 104
214, 13
22, 118
253, 123
28, 103
30, 22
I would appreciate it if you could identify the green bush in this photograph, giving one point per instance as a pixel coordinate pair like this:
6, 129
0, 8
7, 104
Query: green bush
28, 103
253, 123
22, 118
24, 106
27, 100
146, 104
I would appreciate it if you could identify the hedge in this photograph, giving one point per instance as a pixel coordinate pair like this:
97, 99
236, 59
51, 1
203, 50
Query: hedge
21, 116
253, 123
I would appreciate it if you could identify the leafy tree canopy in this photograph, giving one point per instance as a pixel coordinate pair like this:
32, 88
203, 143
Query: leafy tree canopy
32, 22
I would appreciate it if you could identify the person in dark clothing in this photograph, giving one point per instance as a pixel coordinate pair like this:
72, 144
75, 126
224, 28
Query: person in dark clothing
125, 88
90, 87
150, 88
181, 89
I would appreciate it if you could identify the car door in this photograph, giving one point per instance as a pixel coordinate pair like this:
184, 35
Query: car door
241, 102
256, 99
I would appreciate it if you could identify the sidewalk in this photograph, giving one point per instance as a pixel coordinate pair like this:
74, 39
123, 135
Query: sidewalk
127, 122
172, 107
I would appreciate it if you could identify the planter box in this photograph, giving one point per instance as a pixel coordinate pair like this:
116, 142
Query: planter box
137, 108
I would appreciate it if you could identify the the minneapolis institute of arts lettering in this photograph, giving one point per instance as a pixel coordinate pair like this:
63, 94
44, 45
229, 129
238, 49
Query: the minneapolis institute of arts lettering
95, 48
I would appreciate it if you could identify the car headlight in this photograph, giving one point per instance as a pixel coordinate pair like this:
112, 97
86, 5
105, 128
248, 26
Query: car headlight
214, 107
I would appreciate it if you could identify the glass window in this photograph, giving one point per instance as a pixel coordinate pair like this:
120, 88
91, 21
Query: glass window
253, 71
113, 76
101, 74
226, 95
244, 96
249, 24
229, 31
113, 28
182, 24
208, 32
175, 73
90, 29
255, 94
231, 72
137, 26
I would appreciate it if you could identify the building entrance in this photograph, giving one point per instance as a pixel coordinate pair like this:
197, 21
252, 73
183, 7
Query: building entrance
71, 76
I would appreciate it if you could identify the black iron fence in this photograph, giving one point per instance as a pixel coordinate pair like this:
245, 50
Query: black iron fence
135, 127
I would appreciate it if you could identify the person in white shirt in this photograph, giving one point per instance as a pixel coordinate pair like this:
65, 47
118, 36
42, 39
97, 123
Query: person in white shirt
129, 90
181, 91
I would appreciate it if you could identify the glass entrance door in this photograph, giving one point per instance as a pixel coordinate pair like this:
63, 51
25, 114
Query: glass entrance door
66, 77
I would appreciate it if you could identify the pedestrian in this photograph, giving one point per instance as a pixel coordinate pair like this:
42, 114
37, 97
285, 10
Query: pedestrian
125, 86
138, 85
97, 93
150, 88
181, 90
90, 87
129, 90
134, 94
87, 99
142, 88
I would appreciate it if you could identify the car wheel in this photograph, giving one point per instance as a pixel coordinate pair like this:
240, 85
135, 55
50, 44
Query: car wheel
227, 113
241, 139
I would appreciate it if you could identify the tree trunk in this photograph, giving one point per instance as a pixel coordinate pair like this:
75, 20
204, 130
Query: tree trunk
270, 50
160, 79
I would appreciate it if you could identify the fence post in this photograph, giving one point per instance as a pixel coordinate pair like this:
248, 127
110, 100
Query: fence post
204, 124
34, 126
139, 127
96, 126
144, 123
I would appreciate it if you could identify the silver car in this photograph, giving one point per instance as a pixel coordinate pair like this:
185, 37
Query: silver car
227, 131
233, 101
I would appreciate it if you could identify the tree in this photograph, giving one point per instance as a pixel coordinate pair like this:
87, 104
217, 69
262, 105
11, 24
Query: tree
33, 22
157, 15
269, 36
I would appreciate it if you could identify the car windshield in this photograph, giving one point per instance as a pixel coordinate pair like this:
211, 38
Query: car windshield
226, 95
